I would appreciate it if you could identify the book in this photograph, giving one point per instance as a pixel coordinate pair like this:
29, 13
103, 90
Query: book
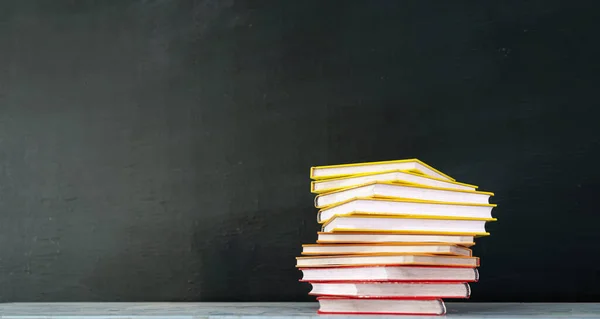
400, 191
402, 177
336, 305
375, 290
412, 165
399, 207
357, 249
387, 259
390, 273
378, 238
407, 224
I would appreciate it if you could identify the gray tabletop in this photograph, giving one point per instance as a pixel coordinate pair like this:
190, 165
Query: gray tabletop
278, 310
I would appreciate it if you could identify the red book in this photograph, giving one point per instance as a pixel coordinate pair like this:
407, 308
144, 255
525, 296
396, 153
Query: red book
387, 260
390, 274
385, 290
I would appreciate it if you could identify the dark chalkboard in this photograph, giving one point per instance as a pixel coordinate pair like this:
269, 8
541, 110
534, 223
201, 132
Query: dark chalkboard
160, 150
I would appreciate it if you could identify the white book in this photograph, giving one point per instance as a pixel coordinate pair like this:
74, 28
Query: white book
406, 191
413, 165
336, 305
363, 260
328, 185
357, 237
389, 273
391, 289
406, 225
405, 207
356, 249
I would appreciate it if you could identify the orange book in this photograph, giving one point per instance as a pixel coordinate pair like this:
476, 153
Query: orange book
398, 248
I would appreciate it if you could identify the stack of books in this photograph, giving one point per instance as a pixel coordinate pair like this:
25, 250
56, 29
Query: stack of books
395, 238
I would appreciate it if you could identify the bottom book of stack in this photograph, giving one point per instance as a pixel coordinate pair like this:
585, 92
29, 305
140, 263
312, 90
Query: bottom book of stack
391, 306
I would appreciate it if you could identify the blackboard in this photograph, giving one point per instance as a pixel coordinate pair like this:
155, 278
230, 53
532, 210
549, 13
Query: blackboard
160, 150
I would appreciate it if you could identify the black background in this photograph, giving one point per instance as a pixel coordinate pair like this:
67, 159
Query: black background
160, 150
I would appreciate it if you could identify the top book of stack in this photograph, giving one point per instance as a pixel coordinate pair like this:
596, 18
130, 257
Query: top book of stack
414, 172
410, 165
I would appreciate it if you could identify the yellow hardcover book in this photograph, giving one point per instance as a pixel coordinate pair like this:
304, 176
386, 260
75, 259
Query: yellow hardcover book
396, 176
407, 224
402, 191
413, 165
387, 206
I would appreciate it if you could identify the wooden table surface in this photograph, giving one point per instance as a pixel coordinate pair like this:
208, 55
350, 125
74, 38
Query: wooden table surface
278, 310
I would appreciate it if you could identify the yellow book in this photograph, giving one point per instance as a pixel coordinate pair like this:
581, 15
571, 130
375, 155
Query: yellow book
413, 165
387, 206
407, 224
396, 176
402, 191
